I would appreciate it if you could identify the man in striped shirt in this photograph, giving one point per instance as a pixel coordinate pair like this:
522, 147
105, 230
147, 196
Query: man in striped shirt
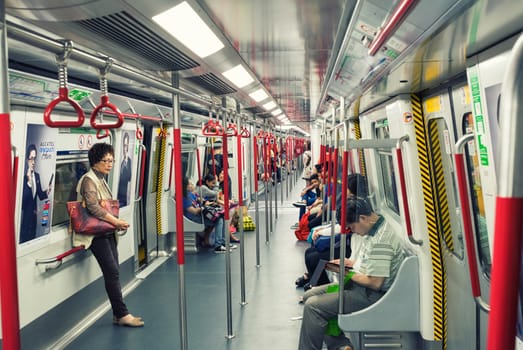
375, 263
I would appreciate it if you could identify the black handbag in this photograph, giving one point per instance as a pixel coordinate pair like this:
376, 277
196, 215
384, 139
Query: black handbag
211, 213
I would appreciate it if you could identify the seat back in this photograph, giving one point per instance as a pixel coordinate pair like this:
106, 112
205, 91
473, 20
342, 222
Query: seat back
397, 310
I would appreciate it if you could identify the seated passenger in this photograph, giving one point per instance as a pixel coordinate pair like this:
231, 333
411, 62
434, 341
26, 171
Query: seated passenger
309, 194
192, 209
375, 266
208, 190
356, 186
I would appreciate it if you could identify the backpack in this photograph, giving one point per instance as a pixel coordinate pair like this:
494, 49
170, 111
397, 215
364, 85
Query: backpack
302, 232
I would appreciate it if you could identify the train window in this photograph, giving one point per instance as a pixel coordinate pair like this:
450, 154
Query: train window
386, 162
68, 172
187, 158
446, 195
474, 179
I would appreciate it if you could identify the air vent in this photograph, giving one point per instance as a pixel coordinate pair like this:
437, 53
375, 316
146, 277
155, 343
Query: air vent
211, 83
256, 110
125, 30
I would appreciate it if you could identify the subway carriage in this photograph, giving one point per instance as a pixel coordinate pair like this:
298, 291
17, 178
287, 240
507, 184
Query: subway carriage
247, 99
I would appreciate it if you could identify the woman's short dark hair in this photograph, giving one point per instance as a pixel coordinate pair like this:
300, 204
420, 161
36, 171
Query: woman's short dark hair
98, 151
208, 178
355, 207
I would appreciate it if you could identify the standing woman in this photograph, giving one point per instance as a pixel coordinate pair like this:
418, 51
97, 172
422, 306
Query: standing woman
92, 187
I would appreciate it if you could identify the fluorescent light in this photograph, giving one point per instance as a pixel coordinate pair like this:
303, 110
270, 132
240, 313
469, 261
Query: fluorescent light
182, 22
238, 76
276, 112
259, 95
281, 117
269, 105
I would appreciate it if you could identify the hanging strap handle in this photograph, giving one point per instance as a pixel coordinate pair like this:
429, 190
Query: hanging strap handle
63, 94
105, 104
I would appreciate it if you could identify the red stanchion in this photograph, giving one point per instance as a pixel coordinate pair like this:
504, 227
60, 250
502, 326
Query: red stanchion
8, 277
177, 145
255, 153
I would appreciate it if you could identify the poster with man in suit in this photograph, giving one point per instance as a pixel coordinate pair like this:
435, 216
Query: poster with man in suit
37, 184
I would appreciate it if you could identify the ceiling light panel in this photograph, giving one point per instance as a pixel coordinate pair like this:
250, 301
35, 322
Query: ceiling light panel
259, 95
183, 23
269, 105
239, 76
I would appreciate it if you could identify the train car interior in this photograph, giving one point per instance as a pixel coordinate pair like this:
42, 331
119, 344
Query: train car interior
372, 144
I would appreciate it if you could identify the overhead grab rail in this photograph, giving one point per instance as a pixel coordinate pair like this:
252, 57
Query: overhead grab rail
467, 222
395, 20
105, 104
58, 260
63, 94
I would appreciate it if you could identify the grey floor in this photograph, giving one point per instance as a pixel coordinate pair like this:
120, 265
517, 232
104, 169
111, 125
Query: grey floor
268, 320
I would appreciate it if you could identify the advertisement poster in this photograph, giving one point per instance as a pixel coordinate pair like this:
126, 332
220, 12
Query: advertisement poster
37, 188
124, 182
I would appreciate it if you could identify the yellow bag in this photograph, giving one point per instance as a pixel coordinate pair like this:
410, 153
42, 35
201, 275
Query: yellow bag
248, 223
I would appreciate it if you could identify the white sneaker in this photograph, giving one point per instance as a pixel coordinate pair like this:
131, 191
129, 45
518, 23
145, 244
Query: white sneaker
299, 204
220, 249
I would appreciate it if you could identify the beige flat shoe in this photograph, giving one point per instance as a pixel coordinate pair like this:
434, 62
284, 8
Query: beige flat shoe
129, 321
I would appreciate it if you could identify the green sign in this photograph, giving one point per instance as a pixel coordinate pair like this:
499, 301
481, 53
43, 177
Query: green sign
479, 120
78, 95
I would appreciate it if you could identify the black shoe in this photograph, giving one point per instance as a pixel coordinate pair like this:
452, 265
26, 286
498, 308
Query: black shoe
301, 281
307, 286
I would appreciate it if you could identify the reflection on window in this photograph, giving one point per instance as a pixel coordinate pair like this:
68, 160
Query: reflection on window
477, 198
388, 177
67, 176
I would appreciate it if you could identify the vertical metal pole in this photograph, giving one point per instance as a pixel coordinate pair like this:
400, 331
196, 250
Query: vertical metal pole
281, 168
178, 184
256, 206
240, 204
275, 180
343, 221
266, 179
287, 166
228, 283
271, 193
8, 278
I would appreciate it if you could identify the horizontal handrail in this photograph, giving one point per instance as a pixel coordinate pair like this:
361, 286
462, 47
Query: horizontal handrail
58, 260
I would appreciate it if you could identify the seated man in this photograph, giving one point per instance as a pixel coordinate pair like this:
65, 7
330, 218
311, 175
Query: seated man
375, 264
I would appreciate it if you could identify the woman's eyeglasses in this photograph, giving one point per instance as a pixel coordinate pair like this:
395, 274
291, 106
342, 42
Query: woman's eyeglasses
107, 161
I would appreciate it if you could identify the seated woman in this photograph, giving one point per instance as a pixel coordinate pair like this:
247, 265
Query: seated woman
192, 209
356, 186
208, 190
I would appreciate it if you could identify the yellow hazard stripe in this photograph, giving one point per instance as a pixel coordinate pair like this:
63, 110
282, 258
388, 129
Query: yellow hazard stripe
438, 270
440, 188
159, 187
361, 157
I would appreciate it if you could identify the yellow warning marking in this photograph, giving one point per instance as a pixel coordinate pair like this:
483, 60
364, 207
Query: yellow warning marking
433, 104
438, 271
159, 189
